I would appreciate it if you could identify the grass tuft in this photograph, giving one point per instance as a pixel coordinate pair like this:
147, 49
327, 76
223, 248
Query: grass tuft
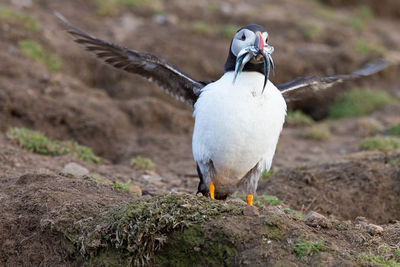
202, 28
366, 47
380, 260
266, 174
307, 248
113, 7
299, 215
142, 163
38, 143
13, 17
358, 102
395, 129
309, 30
35, 51
122, 186
363, 15
316, 134
298, 118
134, 231
380, 144
261, 200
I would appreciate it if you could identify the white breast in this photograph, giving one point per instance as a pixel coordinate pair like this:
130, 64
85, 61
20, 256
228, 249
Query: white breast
236, 126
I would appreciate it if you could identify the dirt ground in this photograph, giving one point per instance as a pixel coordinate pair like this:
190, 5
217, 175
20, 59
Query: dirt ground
46, 214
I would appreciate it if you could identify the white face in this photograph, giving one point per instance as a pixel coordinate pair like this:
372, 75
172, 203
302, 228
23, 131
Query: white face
245, 38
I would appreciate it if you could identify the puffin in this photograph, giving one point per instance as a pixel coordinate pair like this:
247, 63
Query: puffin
238, 118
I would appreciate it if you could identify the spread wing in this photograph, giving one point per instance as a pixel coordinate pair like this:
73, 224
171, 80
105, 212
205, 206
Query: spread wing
153, 68
305, 87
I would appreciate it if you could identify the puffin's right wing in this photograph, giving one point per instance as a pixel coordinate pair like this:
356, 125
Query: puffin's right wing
153, 68
304, 87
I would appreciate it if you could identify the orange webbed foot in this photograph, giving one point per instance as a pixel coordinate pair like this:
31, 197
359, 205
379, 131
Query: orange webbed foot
211, 187
249, 199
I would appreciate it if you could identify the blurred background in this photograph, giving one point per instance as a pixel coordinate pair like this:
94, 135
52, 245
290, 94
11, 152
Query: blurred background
50, 84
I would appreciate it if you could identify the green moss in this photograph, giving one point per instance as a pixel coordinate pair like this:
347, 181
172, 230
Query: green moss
97, 178
380, 144
193, 246
143, 226
329, 14
34, 50
361, 18
266, 174
310, 30
107, 7
366, 47
38, 143
394, 162
274, 228
142, 163
122, 186
261, 200
396, 254
316, 134
380, 260
358, 102
307, 248
10, 16
114, 7
202, 28
298, 118
298, 214
395, 129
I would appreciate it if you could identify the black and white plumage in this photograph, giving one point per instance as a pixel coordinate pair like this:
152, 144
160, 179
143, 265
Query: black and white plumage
238, 118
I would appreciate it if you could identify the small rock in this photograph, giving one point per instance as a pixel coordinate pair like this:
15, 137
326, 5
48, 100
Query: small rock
278, 211
197, 249
315, 219
251, 211
160, 19
361, 221
75, 169
135, 189
374, 229
238, 201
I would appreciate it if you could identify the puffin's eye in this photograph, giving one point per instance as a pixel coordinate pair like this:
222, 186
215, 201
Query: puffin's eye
243, 38
266, 40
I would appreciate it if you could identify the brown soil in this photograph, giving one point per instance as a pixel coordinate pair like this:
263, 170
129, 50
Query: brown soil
121, 116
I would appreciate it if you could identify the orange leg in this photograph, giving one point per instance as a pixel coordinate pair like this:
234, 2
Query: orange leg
211, 187
249, 199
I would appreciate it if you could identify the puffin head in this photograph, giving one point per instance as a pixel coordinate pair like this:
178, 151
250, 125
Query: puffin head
249, 51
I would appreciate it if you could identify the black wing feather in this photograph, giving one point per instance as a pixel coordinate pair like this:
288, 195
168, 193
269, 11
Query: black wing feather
304, 87
154, 68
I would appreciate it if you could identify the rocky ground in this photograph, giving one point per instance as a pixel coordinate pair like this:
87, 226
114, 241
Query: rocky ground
331, 199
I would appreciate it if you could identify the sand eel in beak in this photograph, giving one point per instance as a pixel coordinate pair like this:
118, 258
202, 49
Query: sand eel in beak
238, 118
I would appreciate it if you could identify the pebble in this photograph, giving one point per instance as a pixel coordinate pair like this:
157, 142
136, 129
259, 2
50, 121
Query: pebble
251, 211
75, 170
315, 219
135, 189
374, 229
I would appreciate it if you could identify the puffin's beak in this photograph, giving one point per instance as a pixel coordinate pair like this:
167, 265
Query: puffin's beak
256, 50
259, 42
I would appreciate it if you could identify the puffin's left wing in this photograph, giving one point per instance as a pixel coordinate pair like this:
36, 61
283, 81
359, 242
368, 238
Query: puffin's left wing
153, 68
304, 87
